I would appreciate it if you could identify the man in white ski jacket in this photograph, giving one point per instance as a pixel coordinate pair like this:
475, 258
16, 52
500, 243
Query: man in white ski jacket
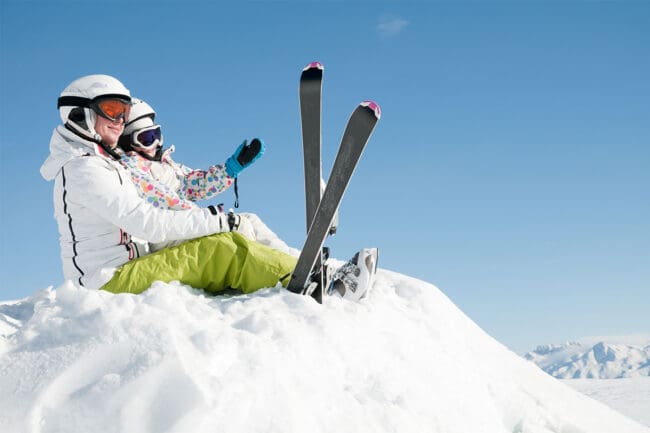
103, 222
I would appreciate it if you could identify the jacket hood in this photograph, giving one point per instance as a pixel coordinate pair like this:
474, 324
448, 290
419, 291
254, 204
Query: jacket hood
64, 146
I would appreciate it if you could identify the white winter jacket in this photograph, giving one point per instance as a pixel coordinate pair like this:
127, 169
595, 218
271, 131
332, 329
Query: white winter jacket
103, 222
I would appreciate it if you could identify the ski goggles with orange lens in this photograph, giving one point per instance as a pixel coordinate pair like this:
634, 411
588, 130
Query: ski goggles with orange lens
112, 109
147, 138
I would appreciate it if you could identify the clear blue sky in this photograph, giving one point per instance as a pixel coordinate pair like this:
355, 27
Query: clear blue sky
510, 166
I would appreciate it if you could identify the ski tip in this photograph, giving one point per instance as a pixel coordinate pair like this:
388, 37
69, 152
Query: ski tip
372, 105
314, 65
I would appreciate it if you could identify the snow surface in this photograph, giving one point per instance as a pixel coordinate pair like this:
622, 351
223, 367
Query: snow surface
172, 359
609, 358
630, 396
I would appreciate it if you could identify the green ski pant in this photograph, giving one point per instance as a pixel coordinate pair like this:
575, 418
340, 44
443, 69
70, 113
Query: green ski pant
213, 263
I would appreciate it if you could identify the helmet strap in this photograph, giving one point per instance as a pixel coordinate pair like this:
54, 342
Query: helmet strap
124, 142
158, 155
110, 151
78, 130
82, 133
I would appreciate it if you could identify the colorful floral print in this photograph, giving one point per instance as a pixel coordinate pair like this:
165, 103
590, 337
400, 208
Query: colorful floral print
156, 193
205, 184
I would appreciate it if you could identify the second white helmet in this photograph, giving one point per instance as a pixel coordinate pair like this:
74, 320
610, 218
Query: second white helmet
142, 116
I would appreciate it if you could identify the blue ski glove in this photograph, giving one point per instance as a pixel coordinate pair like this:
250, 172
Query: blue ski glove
245, 155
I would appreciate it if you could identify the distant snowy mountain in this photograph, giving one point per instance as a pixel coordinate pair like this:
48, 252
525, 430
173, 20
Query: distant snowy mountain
174, 360
611, 359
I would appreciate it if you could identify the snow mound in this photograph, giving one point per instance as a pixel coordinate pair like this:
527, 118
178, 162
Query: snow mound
175, 360
589, 360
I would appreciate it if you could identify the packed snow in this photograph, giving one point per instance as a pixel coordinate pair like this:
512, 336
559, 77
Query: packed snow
609, 358
630, 396
172, 359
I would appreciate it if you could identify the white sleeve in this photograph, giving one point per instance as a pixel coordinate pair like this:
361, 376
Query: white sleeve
109, 193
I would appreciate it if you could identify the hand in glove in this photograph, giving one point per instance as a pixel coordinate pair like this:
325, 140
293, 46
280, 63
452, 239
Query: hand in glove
239, 223
245, 155
234, 223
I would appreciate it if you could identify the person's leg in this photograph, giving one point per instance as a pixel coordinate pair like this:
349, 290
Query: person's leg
265, 236
213, 263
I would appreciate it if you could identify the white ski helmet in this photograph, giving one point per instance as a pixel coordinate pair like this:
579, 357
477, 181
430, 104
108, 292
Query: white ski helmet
141, 126
82, 92
142, 116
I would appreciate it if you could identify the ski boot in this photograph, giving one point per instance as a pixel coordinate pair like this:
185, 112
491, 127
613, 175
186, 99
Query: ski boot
355, 278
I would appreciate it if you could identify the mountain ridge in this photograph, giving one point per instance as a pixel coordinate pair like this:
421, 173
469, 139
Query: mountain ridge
605, 359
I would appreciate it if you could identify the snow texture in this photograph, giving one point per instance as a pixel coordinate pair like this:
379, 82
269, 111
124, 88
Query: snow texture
630, 396
172, 359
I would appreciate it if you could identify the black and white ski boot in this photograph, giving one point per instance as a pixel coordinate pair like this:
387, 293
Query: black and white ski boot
355, 278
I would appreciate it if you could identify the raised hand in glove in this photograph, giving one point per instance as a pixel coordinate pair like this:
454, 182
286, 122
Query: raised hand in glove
245, 155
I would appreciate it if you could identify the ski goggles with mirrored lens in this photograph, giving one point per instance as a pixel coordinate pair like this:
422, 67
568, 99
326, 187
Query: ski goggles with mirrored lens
147, 138
112, 109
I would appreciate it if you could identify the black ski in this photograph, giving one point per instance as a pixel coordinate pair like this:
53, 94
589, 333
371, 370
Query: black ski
310, 114
355, 137
311, 84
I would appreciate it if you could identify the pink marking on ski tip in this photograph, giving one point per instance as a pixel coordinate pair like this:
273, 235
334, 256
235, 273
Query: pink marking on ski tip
314, 65
373, 106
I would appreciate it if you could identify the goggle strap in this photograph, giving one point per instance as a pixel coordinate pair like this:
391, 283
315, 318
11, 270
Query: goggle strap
73, 101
